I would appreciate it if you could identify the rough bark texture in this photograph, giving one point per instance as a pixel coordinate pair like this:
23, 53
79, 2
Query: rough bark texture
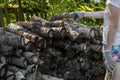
62, 51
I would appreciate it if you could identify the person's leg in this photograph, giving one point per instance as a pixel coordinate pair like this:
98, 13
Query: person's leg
116, 73
108, 75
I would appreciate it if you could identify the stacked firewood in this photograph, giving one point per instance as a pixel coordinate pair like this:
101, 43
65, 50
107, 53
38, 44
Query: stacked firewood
55, 48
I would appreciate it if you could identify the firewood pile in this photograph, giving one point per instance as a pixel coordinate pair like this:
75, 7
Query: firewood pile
55, 48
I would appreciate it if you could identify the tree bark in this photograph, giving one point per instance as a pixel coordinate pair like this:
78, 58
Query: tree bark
32, 58
19, 76
15, 69
21, 16
36, 28
19, 62
6, 15
6, 49
10, 76
10, 39
1, 18
46, 23
61, 16
3, 70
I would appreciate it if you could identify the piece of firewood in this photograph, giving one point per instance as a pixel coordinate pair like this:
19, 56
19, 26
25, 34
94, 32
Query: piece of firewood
46, 23
61, 45
52, 51
23, 32
10, 39
95, 47
2, 59
32, 58
16, 52
19, 76
79, 47
33, 38
48, 77
10, 76
73, 35
41, 31
5, 49
61, 16
15, 69
3, 70
17, 61
59, 32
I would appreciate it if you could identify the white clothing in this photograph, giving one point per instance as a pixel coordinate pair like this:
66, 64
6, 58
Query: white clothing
116, 3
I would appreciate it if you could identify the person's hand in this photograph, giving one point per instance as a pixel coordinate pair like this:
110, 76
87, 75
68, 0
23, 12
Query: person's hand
77, 15
110, 63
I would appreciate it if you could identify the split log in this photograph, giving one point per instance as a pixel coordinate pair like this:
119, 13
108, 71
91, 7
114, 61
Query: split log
32, 76
46, 32
38, 76
41, 31
54, 24
52, 52
19, 76
41, 43
31, 68
17, 61
46, 23
47, 77
95, 47
59, 32
81, 34
3, 70
73, 35
95, 41
25, 33
10, 39
17, 27
30, 47
32, 58
2, 59
14, 69
79, 47
10, 76
33, 38
61, 16
16, 52
31, 26
5, 49
97, 33
61, 45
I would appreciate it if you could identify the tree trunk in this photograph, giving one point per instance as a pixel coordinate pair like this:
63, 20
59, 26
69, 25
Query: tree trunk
21, 16
6, 15
1, 18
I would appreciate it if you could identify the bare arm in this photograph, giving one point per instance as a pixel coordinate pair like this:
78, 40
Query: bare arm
97, 14
113, 22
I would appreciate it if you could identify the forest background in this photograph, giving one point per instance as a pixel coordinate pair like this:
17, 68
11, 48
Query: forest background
22, 10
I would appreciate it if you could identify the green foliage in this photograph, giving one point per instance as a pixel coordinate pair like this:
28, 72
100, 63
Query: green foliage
48, 8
